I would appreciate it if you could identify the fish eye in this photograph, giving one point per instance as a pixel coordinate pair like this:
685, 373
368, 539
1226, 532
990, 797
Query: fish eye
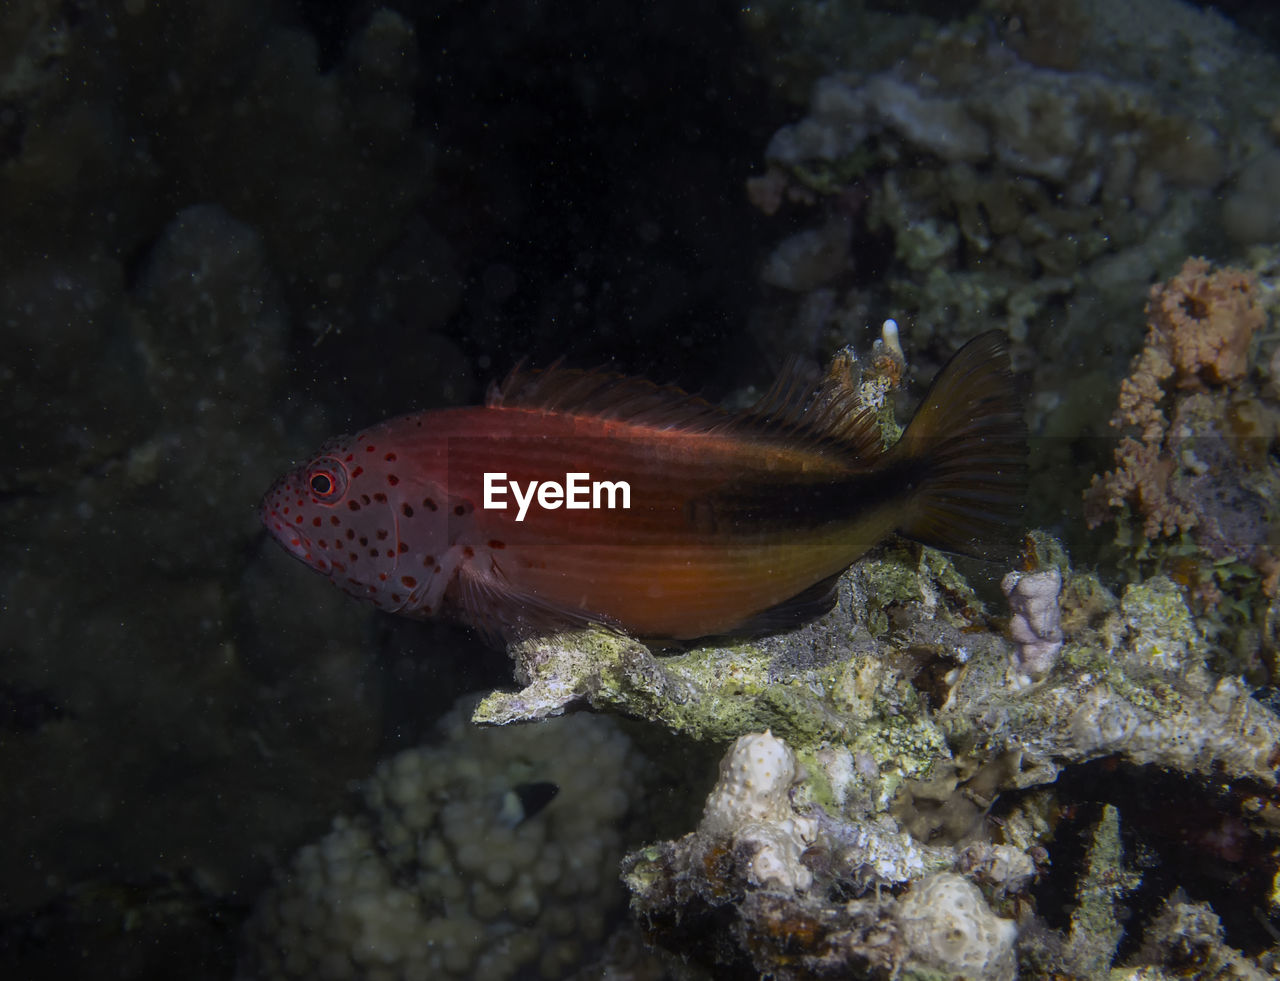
327, 480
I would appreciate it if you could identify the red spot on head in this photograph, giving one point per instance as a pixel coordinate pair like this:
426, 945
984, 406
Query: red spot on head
334, 519
382, 577
380, 497
350, 457
382, 534
369, 448
406, 510
395, 597
316, 521
494, 543
392, 479
351, 534
401, 547
459, 510
391, 553
468, 552
352, 556
428, 561
298, 520
390, 458
353, 505
357, 471
285, 509
429, 504
408, 582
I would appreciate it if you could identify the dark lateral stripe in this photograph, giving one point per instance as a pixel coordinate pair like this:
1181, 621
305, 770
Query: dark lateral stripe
787, 503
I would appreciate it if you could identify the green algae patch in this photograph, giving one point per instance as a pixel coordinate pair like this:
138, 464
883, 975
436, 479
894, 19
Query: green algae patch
708, 693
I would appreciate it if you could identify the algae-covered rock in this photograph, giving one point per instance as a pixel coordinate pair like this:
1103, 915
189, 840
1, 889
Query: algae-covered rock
889, 730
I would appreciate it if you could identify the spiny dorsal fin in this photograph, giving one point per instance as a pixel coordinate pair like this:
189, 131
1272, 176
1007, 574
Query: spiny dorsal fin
831, 417
605, 395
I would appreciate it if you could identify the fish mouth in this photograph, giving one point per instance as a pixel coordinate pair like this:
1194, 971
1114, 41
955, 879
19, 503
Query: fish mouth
290, 536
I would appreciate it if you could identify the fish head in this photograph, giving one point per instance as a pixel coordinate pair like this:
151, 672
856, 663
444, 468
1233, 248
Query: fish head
340, 514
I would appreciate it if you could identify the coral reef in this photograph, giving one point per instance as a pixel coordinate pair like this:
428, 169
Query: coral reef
1195, 490
120, 581
1199, 328
1187, 937
1006, 182
871, 747
904, 666
1026, 166
233, 229
488, 855
184, 189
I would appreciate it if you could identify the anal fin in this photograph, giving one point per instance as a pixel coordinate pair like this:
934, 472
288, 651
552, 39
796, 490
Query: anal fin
807, 605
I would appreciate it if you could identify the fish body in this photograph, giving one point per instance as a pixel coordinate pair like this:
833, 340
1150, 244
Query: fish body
732, 521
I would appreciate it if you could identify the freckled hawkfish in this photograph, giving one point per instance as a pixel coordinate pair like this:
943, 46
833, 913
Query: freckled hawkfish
735, 522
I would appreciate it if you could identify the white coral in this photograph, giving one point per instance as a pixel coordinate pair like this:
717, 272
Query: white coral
751, 806
948, 926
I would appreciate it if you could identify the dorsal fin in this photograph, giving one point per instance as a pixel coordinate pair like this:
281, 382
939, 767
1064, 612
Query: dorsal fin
605, 395
830, 417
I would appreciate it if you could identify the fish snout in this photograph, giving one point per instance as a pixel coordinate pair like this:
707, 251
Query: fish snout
283, 512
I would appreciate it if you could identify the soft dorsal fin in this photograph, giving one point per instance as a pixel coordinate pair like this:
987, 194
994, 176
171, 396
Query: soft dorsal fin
830, 417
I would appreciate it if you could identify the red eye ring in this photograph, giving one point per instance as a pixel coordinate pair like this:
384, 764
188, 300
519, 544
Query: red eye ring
322, 484
326, 480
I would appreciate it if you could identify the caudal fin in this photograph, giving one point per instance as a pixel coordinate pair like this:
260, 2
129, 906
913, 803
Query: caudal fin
966, 452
